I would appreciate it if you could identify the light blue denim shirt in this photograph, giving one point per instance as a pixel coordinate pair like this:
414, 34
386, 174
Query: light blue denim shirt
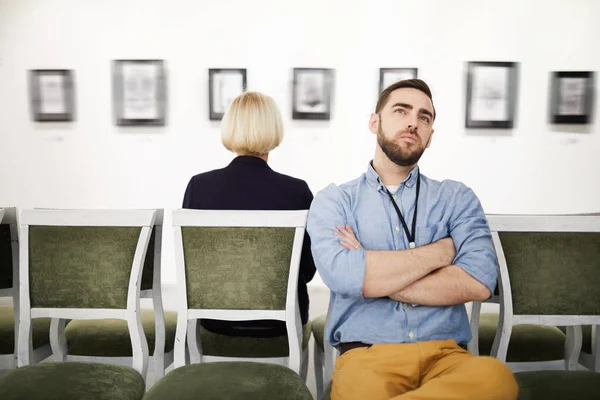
447, 208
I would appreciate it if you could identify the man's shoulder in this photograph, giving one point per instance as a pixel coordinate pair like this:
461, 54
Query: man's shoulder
447, 187
342, 192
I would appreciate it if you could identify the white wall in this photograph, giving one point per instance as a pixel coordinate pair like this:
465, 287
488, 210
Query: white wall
534, 168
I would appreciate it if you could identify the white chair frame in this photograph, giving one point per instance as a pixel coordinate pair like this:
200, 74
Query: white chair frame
9, 361
324, 361
186, 318
159, 361
127, 218
530, 223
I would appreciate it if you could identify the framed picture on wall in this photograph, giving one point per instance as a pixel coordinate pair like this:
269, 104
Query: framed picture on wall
139, 92
572, 97
52, 94
224, 85
491, 94
387, 76
312, 93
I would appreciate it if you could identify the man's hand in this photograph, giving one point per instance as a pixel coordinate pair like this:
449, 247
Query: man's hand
347, 237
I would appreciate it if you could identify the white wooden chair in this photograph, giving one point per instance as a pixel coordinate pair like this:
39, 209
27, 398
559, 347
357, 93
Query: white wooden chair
150, 288
9, 223
83, 264
549, 275
213, 246
323, 356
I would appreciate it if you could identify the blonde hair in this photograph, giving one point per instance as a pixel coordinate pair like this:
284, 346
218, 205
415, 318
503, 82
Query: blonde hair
252, 125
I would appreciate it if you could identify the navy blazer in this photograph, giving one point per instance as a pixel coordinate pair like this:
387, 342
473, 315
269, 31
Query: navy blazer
248, 183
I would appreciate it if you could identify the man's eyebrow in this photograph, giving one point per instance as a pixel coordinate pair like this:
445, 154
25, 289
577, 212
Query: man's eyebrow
404, 105
426, 112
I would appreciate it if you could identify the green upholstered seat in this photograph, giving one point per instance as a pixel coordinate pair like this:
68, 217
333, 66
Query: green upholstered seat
40, 326
527, 342
110, 337
563, 385
318, 331
232, 381
72, 381
547, 385
214, 344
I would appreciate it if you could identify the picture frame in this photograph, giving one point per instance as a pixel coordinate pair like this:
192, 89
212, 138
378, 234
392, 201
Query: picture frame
224, 85
139, 92
571, 101
312, 94
388, 76
491, 94
52, 95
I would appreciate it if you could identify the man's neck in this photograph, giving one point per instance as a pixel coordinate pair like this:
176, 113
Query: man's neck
389, 172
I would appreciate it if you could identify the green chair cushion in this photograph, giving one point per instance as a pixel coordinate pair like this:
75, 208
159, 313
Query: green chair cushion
543, 385
110, 337
40, 334
527, 342
231, 381
214, 344
72, 381
318, 330
563, 385
586, 333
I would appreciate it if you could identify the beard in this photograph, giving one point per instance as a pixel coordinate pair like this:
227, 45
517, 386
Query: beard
398, 155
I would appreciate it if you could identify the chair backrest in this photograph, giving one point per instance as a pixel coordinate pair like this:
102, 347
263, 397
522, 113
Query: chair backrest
549, 265
241, 265
152, 263
84, 264
9, 252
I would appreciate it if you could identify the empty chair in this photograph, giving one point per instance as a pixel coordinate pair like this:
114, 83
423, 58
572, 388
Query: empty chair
80, 265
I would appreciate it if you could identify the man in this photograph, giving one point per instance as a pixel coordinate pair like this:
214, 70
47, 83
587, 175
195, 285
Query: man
407, 254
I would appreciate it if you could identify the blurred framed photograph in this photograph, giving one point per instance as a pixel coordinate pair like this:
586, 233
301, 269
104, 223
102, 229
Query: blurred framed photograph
312, 93
387, 76
139, 92
224, 85
491, 94
572, 97
52, 94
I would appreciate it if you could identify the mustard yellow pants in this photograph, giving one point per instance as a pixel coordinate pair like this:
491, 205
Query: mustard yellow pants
437, 369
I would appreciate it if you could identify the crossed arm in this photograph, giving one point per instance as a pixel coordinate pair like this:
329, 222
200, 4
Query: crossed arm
424, 275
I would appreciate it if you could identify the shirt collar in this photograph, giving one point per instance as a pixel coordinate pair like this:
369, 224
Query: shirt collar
249, 160
375, 182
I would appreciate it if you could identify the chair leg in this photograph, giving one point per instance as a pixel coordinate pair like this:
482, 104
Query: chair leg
304, 365
58, 341
192, 340
319, 370
473, 345
573, 347
180, 356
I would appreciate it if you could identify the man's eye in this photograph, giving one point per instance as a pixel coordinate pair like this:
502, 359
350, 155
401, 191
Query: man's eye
426, 119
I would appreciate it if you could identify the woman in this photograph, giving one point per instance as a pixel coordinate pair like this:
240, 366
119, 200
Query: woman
251, 128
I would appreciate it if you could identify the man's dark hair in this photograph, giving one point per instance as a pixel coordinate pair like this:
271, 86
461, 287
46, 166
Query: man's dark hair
407, 83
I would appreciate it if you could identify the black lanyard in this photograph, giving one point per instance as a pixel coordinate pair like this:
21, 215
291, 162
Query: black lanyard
409, 235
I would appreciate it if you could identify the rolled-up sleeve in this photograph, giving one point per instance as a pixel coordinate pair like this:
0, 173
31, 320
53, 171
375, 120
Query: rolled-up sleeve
342, 270
472, 238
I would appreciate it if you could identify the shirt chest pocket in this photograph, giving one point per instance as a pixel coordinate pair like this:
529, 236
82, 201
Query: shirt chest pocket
428, 234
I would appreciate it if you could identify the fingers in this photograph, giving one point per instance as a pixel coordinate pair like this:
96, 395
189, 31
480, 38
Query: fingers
347, 238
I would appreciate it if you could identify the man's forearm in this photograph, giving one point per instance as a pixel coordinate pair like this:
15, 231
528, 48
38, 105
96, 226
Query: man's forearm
446, 286
388, 272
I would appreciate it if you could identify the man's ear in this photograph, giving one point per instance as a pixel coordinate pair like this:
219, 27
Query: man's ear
429, 141
374, 122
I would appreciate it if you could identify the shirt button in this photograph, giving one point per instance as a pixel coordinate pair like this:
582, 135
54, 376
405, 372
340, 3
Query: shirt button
395, 197
410, 335
408, 185
397, 229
